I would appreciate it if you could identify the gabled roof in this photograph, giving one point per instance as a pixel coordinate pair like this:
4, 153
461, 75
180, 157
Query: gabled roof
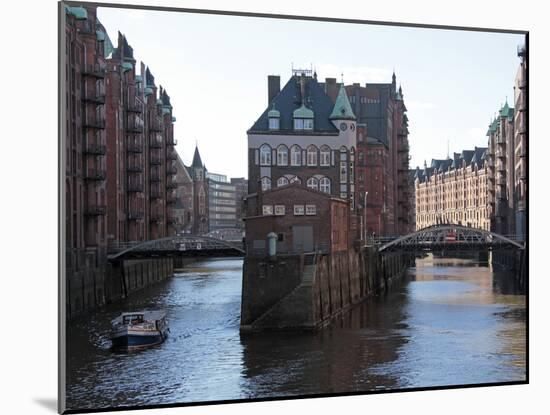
165, 98
342, 107
149, 78
289, 99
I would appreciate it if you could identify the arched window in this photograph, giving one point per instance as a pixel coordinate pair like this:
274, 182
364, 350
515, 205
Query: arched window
295, 179
266, 183
295, 156
324, 185
282, 156
312, 156
313, 183
282, 181
325, 156
265, 155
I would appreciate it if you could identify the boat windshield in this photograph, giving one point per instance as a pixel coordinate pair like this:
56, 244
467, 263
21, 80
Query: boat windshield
132, 319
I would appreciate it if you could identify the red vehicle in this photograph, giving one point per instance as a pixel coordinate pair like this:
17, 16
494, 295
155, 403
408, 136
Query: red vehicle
450, 236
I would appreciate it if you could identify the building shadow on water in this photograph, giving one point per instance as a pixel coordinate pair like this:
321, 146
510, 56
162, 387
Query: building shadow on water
342, 357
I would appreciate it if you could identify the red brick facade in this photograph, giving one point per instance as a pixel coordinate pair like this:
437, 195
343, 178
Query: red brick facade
288, 210
85, 168
140, 152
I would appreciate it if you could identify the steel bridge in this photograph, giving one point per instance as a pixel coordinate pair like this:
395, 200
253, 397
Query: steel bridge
176, 246
449, 237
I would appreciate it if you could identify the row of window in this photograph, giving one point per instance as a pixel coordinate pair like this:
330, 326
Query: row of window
316, 183
314, 156
280, 210
299, 123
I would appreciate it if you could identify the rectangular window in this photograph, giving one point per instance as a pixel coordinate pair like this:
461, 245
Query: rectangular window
311, 210
267, 210
279, 210
298, 210
273, 123
308, 124
298, 124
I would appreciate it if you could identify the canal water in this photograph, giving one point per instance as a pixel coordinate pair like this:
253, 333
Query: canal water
453, 321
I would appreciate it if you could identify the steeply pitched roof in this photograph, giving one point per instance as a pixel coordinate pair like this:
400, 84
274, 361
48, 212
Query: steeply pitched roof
149, 78
197, 162
289, 99
342, 107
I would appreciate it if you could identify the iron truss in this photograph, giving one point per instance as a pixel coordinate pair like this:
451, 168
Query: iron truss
439, 237
177, 246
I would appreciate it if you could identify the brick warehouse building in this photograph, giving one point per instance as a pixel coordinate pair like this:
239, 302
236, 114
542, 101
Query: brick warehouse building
454, 190
520, 138
383, 155
304, 138
140, 151
85, 169
108, 198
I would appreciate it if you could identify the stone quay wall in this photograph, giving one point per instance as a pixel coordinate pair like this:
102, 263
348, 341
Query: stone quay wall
294, 292
103, 283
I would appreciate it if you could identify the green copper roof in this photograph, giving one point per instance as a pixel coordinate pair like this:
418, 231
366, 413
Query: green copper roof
159, 101
173, 119
139, 78
148, 91
165, 110
127, 66
80, 13
506, 111
342, 108
100, 35
273, 113
303, 112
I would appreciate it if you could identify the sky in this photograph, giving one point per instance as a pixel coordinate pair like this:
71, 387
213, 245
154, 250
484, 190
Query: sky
215, 70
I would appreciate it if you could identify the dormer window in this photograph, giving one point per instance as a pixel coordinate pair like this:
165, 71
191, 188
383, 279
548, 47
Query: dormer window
274, 117
303, 118
303, 124
274, 123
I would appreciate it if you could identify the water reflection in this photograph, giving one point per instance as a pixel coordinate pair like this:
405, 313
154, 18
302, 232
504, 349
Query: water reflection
454, 321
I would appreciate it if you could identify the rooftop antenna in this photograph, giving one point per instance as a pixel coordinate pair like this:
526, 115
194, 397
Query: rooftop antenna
342, 75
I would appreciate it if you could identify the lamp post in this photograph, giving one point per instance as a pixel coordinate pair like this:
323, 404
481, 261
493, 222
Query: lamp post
365, 216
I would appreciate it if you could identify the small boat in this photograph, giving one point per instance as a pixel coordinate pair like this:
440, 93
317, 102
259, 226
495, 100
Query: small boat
139, 329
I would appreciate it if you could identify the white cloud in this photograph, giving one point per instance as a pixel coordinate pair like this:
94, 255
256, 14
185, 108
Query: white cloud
354, 74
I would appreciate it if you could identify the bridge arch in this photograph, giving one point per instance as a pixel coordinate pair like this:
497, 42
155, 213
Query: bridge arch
450, 236
174, 244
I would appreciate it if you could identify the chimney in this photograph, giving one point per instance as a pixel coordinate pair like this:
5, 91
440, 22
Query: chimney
331, 88
273, 87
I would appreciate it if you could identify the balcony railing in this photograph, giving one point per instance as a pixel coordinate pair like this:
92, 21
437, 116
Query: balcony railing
93, 122
98, 99
134, 169
155, 126
95, 149
135, 215
135, 187
155, 160
96, 210
134, 148
95, 174
134, 127
155, 143
94, 71
134, 107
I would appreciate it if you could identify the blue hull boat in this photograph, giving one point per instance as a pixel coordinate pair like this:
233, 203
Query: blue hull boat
138, 330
